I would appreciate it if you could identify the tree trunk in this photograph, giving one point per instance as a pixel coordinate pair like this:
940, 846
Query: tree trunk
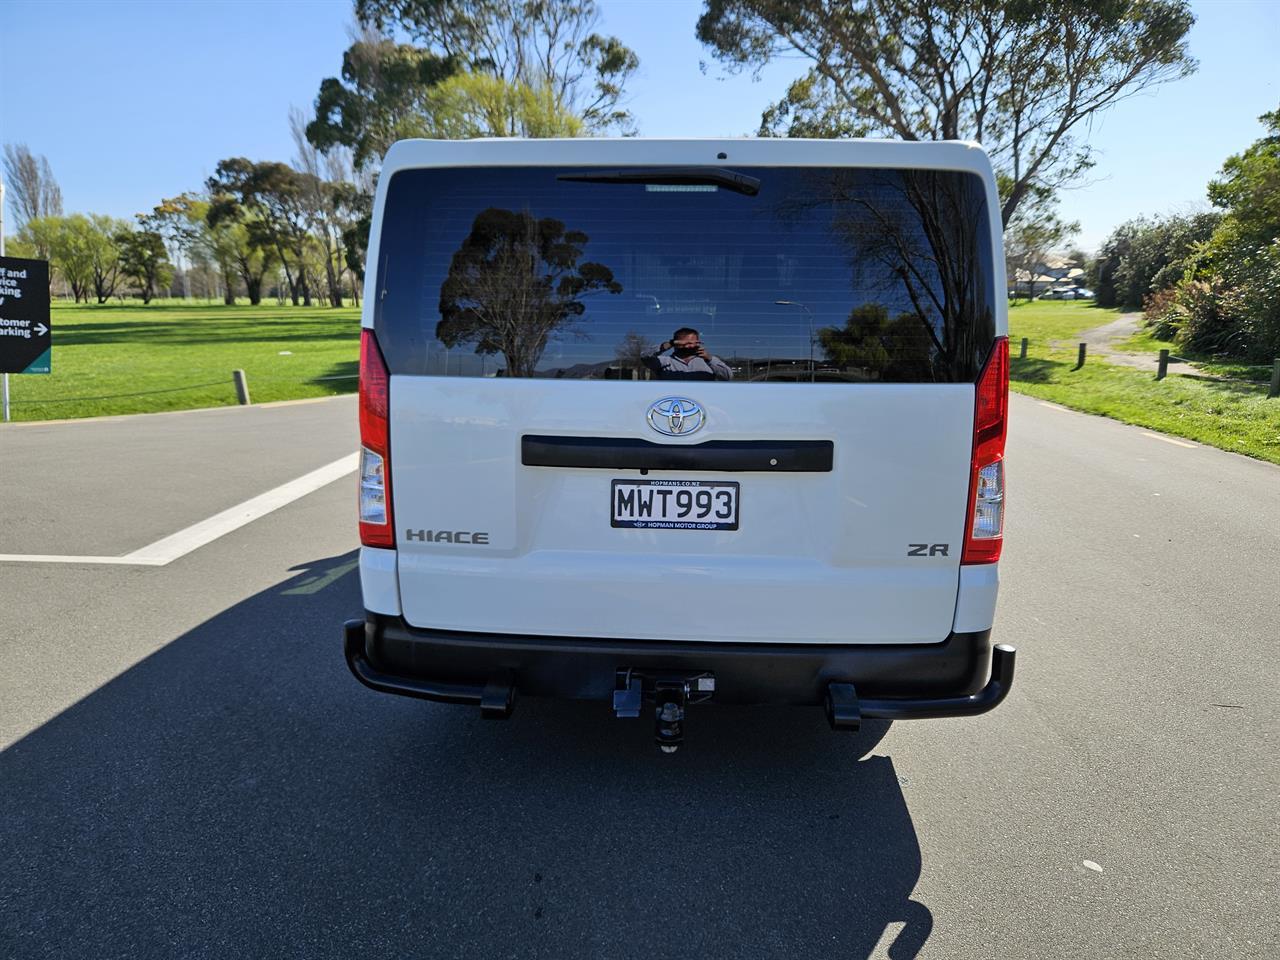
288, 276
227, 270
335, 283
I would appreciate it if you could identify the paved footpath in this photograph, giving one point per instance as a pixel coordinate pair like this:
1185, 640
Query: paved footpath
1102, 342
188, 770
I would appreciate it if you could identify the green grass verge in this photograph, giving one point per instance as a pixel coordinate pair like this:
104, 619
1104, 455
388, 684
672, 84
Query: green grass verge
129, 358
1042, 321
1232, 416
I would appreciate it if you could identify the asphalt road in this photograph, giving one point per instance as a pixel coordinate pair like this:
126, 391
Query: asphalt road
188, 770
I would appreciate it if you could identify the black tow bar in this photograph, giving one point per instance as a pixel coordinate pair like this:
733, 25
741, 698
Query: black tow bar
670, 695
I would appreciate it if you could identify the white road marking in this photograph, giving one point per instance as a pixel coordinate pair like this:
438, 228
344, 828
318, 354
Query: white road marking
194, 537
1054, 406
1180, 443
56, 558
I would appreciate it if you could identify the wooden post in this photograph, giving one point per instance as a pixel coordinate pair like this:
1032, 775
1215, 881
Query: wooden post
1163, 369
1275, 379
1022, 354
1080, 359
242, 386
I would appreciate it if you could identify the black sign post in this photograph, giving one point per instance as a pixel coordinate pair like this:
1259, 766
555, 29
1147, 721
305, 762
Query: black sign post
25, 337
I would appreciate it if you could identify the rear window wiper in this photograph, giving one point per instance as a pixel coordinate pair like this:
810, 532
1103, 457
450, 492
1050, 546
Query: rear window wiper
719, 176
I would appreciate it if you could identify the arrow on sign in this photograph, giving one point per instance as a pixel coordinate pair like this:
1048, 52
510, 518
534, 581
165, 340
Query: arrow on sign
41, 329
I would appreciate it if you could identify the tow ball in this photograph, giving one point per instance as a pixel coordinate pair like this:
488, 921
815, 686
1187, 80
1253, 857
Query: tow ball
668, 726
670, 696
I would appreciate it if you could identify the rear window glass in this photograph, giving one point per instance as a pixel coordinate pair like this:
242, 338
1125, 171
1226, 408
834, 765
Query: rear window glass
780, 274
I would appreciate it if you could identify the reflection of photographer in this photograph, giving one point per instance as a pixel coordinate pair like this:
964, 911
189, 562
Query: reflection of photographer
688, 359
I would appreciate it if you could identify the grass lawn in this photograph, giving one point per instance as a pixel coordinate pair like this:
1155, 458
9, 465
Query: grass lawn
1041, 321
1233, 416
171, 355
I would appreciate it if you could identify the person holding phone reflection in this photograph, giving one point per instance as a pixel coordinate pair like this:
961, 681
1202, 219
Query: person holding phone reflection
688, 359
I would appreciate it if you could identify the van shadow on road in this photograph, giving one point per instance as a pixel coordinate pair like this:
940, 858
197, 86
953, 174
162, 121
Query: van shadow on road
239, 794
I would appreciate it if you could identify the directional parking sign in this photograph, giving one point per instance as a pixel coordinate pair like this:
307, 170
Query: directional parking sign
25, 337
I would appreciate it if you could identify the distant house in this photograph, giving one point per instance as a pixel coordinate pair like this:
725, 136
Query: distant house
1050, 271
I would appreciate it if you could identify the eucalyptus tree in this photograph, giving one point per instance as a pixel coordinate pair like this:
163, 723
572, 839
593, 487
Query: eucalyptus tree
554, 43
1023, 78
549, 50
145, 260
237, 235
276, 197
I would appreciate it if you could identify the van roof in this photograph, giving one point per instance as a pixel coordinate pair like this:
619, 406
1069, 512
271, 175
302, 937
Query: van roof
747, 151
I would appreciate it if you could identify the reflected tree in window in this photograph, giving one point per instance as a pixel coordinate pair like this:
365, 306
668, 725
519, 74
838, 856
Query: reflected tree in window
874, 347
921, 237
514, 284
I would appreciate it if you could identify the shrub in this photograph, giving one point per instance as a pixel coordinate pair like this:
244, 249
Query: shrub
1146, 255
1164, 313
1260, 297
1215, 318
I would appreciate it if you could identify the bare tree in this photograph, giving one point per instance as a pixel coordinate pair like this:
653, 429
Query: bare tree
33, 192
318, 194
633, 349
1035, 230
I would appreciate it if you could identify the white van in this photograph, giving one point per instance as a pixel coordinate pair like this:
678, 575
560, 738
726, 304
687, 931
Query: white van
661, 422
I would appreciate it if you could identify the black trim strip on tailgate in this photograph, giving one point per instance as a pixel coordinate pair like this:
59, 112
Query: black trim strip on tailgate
626, 453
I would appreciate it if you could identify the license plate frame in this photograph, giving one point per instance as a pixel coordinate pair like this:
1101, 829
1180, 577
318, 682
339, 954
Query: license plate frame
670, 505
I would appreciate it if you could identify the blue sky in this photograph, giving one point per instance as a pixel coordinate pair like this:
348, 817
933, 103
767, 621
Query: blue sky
134, 101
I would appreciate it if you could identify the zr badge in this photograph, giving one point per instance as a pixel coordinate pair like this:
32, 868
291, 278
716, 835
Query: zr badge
927, 549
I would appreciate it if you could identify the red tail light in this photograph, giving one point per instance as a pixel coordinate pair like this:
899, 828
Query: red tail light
376, 529
984, 524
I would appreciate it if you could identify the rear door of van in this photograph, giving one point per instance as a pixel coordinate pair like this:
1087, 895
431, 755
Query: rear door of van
803, 477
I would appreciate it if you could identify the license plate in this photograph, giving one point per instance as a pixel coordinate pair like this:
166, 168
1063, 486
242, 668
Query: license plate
675, 504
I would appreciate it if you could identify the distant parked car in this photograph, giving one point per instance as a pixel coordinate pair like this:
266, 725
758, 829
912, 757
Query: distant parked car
1067, 293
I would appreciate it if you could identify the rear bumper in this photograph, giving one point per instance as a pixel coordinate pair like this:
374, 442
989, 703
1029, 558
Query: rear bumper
960, 676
